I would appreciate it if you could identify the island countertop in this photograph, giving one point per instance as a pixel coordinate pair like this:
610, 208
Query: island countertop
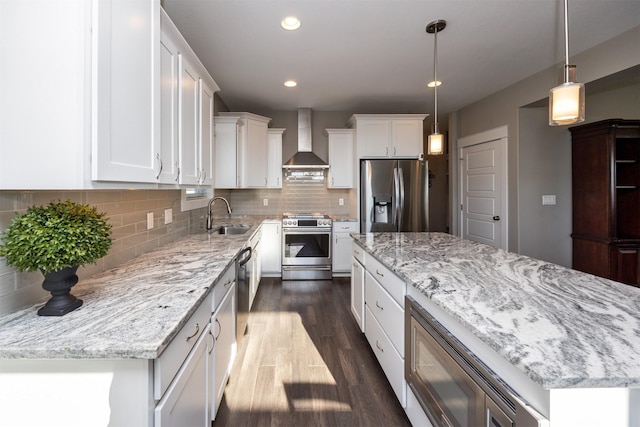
132, 311
560, 327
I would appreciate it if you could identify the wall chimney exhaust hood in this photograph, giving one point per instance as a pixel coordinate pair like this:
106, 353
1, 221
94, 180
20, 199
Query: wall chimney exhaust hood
304, 158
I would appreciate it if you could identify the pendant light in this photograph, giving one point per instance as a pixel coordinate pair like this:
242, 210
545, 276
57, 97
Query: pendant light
435, 141
566, 101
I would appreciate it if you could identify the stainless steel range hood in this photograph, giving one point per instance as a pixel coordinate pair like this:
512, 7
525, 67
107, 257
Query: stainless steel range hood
304, 158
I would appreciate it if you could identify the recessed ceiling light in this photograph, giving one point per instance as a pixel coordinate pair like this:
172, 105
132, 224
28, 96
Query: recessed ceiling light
291, 83
290, 23
434, 83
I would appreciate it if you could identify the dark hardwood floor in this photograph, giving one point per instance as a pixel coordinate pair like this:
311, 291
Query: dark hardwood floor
304, 362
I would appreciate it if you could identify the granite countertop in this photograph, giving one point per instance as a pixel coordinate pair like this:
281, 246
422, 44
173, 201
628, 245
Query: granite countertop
561, 327
132, 311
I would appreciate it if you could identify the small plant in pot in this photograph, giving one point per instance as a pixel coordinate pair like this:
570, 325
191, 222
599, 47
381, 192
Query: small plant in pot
57, 239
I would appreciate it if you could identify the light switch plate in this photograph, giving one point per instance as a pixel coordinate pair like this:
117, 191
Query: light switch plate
549, 199
265, 202
149, 220
168, 216
341, 202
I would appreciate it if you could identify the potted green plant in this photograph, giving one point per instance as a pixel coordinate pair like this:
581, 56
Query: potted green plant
56, 239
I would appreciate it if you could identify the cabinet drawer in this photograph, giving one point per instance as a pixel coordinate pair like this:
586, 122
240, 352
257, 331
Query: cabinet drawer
166, 366
357, 252
346, 227
389, 314
391, 362
222, 286
392, 283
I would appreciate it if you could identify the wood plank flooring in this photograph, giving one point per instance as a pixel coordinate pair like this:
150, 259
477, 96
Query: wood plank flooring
304, 362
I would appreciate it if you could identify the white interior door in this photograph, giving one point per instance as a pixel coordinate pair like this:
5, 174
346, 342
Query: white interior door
483, 192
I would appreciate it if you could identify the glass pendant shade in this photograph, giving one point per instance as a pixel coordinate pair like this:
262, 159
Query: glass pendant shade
435, 144
566, 104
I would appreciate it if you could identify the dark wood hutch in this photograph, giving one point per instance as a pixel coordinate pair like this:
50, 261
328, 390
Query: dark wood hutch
606, 199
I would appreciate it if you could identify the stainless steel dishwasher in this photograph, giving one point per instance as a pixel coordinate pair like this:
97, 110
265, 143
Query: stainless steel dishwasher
242, 291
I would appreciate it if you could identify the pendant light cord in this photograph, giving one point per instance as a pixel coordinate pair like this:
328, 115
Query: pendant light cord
566, 41
435, 80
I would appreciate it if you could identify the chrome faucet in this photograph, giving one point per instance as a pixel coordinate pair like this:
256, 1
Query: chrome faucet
209, 219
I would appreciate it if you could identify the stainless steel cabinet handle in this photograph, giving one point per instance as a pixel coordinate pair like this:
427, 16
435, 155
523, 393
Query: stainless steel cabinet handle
265, 181
278, 181
159, 161
386, 151
204, 176
178, 174
355, 265
394, 151
195, 334
213, 341
379, 306
219, 329
378, 273
378, 345
355, 251
228, 282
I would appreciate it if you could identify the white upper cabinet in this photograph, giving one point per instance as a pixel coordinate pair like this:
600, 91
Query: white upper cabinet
189, 113
249, 143
388, 135
111, 101
274, 160
341, 163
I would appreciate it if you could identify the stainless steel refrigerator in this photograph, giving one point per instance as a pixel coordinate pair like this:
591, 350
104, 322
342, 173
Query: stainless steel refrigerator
394, 195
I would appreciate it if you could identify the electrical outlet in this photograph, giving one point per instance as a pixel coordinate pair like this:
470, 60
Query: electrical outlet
265, 202
168, 216
549, 199
149, 220
341, 202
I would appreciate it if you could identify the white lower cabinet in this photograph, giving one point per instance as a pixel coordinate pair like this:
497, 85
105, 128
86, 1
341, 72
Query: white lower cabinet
185, 401
224, 331
357, 292
256, 265
341, 257
383, 316
271, 248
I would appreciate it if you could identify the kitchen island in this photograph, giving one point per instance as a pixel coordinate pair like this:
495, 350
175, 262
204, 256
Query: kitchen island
95, 365
567, 341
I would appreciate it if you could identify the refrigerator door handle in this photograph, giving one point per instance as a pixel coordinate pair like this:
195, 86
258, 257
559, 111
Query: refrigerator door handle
396, 196
401, 199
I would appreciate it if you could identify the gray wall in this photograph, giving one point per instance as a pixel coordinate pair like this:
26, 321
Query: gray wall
526, 127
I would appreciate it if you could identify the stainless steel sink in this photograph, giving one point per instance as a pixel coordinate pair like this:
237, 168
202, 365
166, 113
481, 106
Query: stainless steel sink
233, 229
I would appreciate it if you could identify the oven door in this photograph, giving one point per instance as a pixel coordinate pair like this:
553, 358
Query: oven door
306, 247
449, 396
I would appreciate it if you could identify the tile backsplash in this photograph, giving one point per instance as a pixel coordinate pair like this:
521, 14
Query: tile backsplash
127, 212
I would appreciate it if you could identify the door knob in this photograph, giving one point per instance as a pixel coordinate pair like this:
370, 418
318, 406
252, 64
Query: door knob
496, 218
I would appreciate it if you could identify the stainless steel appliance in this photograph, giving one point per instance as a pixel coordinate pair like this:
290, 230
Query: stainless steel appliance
394, 195
306, 247
453, 386
243, 275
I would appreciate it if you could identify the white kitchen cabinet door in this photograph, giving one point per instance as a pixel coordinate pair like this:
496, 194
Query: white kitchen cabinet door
224, 331
341, 258
126, 108
341, 161
225, 155
188, 107
357, 292
248, 146
376, 136
407, 138
169, 139
388, 135
271, 245
186, 402
206, 133
274, 164
256, 154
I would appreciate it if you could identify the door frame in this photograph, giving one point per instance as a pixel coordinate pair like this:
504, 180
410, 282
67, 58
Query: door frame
500, 135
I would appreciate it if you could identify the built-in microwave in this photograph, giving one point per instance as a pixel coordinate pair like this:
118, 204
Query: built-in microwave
453, 386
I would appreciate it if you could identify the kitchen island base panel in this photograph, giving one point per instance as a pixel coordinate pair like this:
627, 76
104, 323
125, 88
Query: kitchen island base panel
595, 407
76, 393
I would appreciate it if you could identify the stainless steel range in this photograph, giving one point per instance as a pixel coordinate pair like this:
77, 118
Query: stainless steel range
306, 247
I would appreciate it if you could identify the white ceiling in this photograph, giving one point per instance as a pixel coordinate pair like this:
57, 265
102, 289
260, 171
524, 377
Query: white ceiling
374, 56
